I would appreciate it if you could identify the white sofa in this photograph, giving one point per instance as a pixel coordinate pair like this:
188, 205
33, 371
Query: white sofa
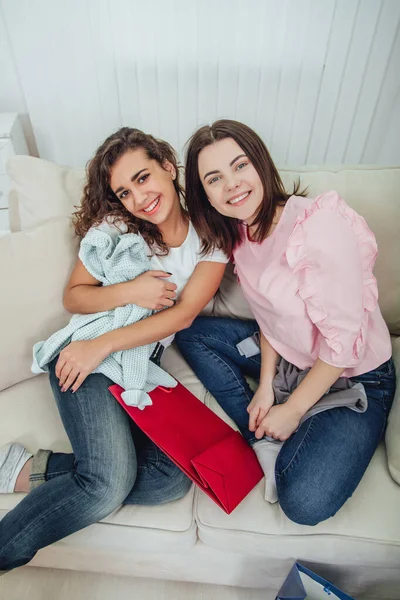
192, 539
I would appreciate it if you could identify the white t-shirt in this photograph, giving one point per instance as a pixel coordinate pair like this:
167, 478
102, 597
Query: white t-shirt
182, 261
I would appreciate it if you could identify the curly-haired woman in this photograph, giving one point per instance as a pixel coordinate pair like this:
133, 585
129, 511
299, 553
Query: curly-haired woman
133, 178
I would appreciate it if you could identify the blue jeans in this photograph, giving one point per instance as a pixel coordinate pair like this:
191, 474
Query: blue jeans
322, 463
113, 463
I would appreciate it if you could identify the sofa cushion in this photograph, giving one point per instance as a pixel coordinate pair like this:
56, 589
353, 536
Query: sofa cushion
173, 362
42, 191
230, 300
13, 211
34, 268
366, 529
30, 416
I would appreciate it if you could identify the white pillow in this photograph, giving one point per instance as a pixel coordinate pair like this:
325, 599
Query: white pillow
42, 191
34, 268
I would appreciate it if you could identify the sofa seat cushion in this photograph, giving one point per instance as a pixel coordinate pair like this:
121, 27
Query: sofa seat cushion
30, 416
367, 528
173, 362
154, 529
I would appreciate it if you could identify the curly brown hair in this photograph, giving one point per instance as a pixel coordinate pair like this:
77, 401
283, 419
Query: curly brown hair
99, 201
213, 228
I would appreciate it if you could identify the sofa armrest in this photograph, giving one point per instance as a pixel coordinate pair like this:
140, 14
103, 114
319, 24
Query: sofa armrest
393, 429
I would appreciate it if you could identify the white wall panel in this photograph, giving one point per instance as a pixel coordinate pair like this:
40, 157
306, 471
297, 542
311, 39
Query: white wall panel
383, 135
11, 93
271, 68
102, 46
320, 81
167, 99
352, 80
338, 45
295, 36
312, 67
210, 43
187, 110
371, 83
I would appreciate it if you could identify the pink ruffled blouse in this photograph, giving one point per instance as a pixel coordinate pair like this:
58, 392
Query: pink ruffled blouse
311, 288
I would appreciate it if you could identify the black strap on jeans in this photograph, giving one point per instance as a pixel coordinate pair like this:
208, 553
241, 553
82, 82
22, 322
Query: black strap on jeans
157, 354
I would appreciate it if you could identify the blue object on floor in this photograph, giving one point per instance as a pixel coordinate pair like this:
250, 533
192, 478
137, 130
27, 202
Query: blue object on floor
311, 586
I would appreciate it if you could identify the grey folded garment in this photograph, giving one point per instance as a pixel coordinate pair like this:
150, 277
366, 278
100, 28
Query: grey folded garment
288, 377
342, 393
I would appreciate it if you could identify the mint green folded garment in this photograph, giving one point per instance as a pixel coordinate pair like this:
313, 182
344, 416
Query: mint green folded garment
111, 256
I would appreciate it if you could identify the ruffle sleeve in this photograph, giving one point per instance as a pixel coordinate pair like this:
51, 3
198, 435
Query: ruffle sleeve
332, 251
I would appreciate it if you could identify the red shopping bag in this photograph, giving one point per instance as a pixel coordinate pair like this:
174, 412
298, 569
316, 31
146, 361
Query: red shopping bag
202, 445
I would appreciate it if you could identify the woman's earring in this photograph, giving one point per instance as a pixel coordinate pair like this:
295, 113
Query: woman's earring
173, 175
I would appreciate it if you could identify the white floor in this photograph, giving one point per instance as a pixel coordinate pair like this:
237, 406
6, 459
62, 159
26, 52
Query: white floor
32, 583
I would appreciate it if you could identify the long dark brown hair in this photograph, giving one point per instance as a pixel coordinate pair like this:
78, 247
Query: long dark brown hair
214, 229
99, 201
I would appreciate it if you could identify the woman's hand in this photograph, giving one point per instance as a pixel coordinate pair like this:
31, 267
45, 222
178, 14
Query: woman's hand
281, 421
261, 403
78, 360
151, 290
84, 295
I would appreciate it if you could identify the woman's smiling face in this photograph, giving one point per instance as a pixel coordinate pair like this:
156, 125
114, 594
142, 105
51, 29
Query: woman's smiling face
230, 180
144, 187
